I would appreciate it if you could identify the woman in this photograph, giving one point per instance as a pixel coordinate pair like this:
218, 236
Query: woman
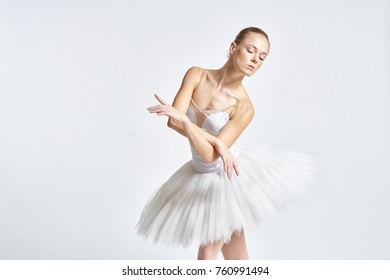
223, 191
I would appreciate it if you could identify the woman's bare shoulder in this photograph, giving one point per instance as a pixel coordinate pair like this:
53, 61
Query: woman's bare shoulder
245, 103
242, 94
194, 75
195, 71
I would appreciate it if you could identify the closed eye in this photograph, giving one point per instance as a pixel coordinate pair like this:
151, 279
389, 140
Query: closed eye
250, 49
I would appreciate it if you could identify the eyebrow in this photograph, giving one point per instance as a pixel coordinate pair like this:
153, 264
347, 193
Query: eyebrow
256, 49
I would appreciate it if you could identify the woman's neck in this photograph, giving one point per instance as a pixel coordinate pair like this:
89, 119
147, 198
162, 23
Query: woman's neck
228, 76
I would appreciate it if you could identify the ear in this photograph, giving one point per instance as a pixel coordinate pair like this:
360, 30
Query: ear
232, 48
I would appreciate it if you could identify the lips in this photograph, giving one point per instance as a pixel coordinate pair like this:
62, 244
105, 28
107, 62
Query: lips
251, 67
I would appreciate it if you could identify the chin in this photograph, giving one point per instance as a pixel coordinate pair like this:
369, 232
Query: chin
249, 74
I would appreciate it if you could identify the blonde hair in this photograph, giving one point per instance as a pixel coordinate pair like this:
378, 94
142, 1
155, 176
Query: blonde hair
241, 35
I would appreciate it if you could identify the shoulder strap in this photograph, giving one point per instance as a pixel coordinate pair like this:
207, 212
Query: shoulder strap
241, 100
238, 103
200, 79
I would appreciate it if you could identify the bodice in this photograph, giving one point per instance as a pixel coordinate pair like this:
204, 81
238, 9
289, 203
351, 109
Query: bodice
212, 121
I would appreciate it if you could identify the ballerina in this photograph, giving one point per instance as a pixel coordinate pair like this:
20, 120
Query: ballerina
224, 190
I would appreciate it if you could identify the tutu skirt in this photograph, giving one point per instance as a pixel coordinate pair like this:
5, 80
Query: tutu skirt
200, 208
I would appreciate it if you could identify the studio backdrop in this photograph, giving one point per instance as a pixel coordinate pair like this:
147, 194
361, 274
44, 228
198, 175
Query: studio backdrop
80, 154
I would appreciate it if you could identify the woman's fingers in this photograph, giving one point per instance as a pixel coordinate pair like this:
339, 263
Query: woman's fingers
229, 171
156, 108
153, 108
159, 108
164, 105
162, 101
167, 110
225, 164
229, 165
236, 168
228, 168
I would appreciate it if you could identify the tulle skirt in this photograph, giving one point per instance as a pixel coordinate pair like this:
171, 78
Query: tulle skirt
193, 208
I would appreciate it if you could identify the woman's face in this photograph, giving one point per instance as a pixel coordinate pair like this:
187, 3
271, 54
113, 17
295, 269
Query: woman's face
250, 53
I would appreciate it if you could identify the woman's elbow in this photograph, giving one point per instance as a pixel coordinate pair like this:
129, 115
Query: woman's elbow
210, 158
170, 123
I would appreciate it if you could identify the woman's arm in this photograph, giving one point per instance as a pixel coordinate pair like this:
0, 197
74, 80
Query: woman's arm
241, 116
225, 139
202, 141
206, 145
183, 97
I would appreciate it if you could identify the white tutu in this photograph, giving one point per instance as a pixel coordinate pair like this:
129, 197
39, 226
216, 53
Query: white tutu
199, 204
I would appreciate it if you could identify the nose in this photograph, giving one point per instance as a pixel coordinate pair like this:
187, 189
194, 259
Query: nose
254, 59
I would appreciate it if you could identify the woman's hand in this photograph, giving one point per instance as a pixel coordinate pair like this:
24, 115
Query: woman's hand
229, 163
168, 110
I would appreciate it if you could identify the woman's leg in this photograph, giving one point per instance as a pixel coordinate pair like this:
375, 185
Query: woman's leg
210, 251
236, 248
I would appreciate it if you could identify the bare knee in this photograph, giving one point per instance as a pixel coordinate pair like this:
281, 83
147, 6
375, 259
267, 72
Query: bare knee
236, 248
209, 252
235, 255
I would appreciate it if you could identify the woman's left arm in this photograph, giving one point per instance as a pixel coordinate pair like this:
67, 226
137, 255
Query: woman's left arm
199, 138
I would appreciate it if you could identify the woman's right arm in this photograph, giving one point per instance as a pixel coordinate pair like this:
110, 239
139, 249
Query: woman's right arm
243, 114
183, 97
202, 141
206, 145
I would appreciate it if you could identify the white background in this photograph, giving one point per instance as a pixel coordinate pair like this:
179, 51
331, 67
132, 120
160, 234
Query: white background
80, 155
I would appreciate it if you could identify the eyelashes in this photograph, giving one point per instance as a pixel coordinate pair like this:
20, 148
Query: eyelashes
251, 51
